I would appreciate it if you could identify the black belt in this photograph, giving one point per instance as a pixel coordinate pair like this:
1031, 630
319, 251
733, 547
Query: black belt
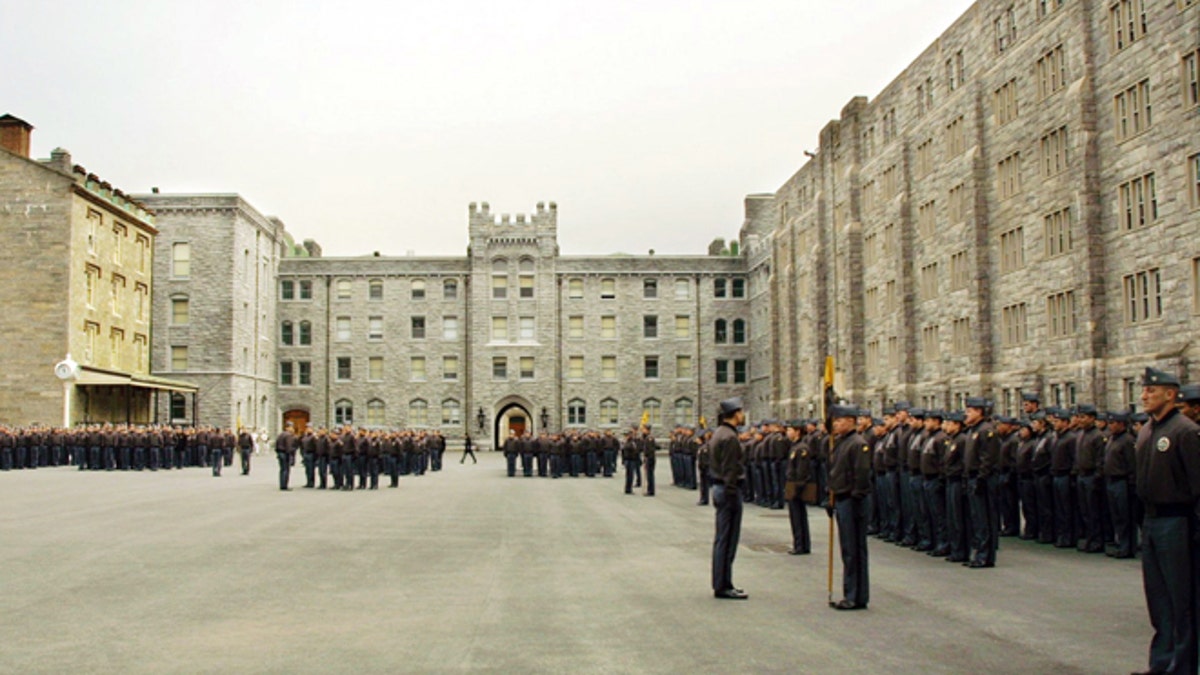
1168, 510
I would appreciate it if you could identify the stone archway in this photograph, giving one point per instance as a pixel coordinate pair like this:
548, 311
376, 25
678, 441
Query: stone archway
512, 415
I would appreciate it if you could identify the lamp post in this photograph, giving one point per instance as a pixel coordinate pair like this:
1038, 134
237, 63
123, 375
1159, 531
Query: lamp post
545, 418
481, 419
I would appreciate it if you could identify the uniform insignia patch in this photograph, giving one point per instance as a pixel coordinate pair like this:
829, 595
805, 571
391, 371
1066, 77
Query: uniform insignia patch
866, 449
1163, 444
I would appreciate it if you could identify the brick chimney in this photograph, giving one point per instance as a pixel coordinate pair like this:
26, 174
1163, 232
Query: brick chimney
14, 135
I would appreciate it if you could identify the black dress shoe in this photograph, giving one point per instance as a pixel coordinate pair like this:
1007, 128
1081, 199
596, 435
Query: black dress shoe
731, 594
976, 564
952, 559
846, 604
797, 551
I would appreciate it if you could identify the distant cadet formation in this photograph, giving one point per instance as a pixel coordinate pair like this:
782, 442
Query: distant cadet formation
124, 447
340, 456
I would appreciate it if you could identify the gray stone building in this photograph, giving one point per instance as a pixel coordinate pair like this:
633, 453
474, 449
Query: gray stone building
513, 335
1018, 211
214, 314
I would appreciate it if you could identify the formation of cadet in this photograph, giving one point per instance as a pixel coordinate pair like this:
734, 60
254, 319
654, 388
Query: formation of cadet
571, 453
123, 447
335, 458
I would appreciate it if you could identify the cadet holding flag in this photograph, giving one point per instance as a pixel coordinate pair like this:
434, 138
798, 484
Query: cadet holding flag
849, 485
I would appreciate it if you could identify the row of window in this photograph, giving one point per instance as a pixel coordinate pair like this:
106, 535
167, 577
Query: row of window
610, 412
116, 296
290, 289
118, 358
119, 234
418, 415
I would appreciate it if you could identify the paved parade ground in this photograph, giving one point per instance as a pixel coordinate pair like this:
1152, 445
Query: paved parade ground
467, 570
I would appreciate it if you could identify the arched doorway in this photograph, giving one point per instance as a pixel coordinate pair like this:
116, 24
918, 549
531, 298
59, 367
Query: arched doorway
298, 418
513, 418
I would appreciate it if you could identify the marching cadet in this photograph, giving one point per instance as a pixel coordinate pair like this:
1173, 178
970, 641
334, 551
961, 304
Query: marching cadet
245, 444
1118, 475
1167, 456
849, 485
981, 460
1089, 486
798, 478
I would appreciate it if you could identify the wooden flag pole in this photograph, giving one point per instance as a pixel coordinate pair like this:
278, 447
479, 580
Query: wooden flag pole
826, 402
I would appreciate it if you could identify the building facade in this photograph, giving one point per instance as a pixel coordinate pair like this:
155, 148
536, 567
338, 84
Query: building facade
79, 277
1018, 211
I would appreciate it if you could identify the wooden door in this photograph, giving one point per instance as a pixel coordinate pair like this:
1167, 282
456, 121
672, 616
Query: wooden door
516, 424
299, 420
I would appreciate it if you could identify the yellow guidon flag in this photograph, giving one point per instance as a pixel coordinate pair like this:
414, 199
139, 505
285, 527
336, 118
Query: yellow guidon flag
645, 417
703, 423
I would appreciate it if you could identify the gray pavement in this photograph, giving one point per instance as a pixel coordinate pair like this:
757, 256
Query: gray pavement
467, 570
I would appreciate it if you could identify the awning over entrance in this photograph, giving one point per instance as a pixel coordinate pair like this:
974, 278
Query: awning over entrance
93, 377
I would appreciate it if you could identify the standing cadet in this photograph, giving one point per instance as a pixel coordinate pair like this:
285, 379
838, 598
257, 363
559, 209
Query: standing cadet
849, 485
956, 498
649, 455
1042, 478
1118, 476
981, 459
285, 452
799, 475
511, 449
1089, 488
726, 462
1026, 487
629, 456
1062, 462
1008, 496
702, 467
245, 444
935, 490
1168, 481
1189, 402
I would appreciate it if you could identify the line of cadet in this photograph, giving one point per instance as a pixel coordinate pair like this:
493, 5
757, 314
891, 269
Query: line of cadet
123, 447
343, 454
571, 453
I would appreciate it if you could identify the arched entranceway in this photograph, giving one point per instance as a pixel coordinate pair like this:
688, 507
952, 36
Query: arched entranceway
512, 417
298, 418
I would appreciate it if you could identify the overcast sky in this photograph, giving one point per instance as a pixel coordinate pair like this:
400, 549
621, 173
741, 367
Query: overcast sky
372, 126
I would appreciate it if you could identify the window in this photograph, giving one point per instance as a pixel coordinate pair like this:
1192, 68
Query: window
652, 411
737, 288
1196, 285
1005, 29
375, 368
343, 328
525, 285
576, 412
418, 413
649, 288
451, 413
1045, 7
181, 260
375, 328
500, 328
649, 326
450, 368
575, 326
924, 158
1012, 250
306, 290
608, 367
608, 289
118, 284
343, 369
930, 343
1137, 202
287, 331
92, 276
608, 326
956, 137
526, 364
499, 286
178, 407
955, 71
1004, 103
1194, 181
890, 183
374, 292
1190, 71
684, 412
343, 289
285, 374
305, 368
418, 289
305, 333
956, 204
929, 282
962, 336
376, 411
683, 326
1013, 326
139, 352
722, 371
1142, 299
181, 314
1131, 110
1060, 314
416, 369
960, 271
683, 289
1051, 72
287, 290
718, 288
575, 289
343, 412
1058, 232
721, 331
575, 367
1126, 22
141, 294
499, 368
526, 327
179, 355
1054, 152
739, 371
450, 289
927, 219
739, 331
1008, 176
608, 412
873, 355
650, 367
683, 367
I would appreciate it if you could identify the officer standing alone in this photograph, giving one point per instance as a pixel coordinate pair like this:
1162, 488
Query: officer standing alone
727, 467
849, 485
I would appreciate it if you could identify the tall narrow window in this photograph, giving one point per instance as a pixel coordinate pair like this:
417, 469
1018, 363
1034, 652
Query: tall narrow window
181, 260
